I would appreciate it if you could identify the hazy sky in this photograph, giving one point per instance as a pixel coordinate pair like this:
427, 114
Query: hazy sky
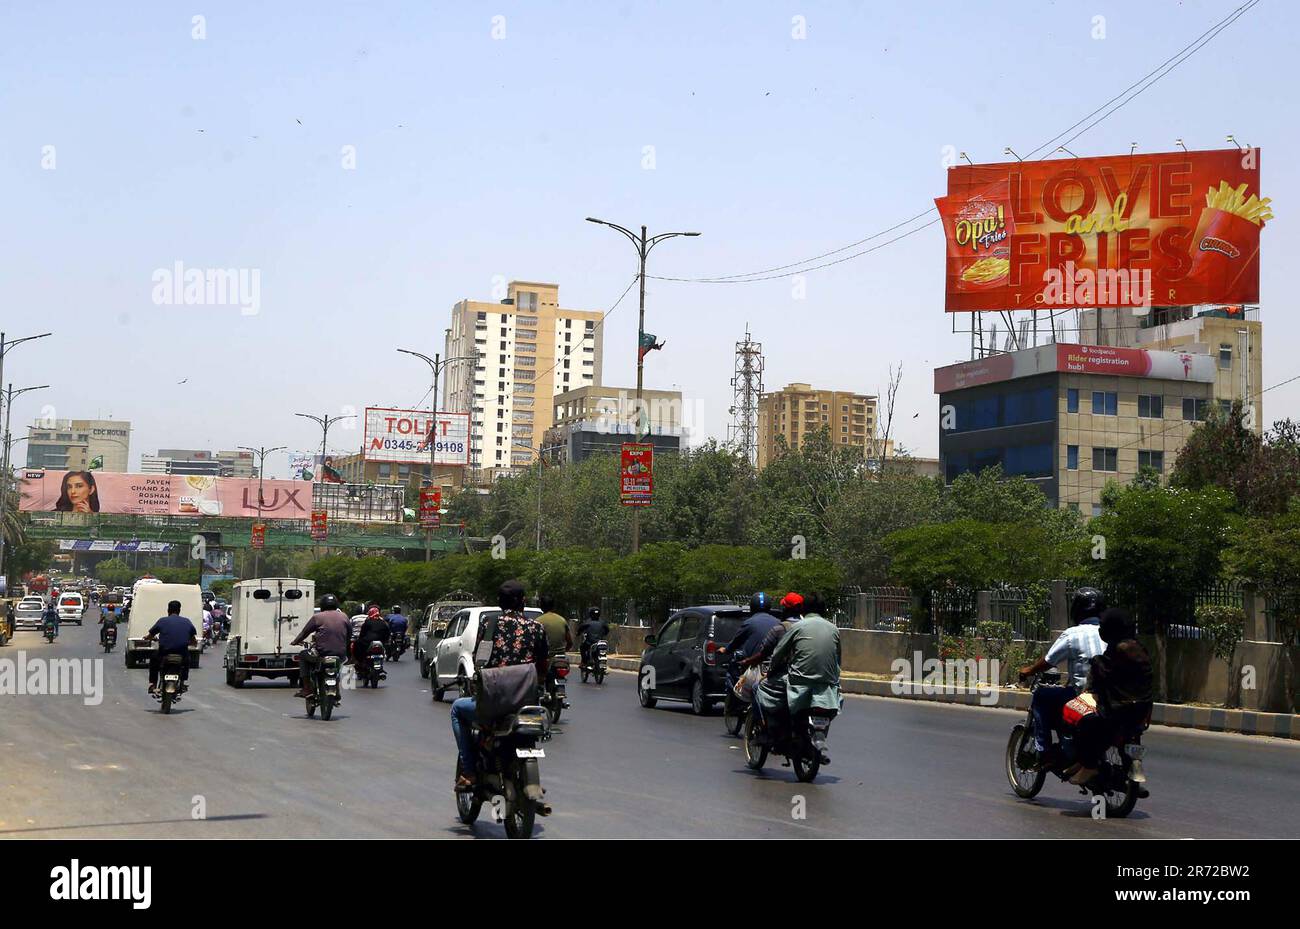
477, 157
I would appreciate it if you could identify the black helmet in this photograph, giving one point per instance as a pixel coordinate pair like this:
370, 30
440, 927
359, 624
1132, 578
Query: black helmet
1087, 602
1116, 626
760, 602
593, 612
510, 596
814, 603
329, 602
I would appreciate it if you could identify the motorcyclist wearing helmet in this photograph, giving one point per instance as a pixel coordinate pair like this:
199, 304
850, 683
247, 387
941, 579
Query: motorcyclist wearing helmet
397, 622
332, 632
792, 607
1120, 681
805, 671
591, 630
752, 631
1076, 645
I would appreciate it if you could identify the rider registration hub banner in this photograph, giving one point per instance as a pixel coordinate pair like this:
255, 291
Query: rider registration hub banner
44, 491
402, 436
1177, 228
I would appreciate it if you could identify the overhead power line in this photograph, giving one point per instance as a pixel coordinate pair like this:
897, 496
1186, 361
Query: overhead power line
1124, 97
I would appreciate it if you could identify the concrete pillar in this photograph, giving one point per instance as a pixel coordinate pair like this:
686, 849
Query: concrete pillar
1060, 617
1256, 623
862, 618
983, 605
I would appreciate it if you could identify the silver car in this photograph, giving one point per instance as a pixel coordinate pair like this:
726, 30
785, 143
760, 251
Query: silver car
28, 615
453, 651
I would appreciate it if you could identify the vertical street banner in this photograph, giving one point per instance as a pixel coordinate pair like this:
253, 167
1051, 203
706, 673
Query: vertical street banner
258, 539
319, 525
636, 474
430, 504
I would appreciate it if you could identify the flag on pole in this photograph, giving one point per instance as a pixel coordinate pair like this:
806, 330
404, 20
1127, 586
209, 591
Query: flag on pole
645, 344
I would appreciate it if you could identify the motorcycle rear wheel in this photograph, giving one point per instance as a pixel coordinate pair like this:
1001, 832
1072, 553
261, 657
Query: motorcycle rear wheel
805, 769
327, 709
585, 672
1025, 783
467, 804
521, 812
600, 677
755, 754
311, 710
166, 702
555, 709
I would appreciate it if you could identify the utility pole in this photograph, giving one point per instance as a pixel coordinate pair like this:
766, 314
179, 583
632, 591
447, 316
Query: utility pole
261, 453
9, 395
437, 364
643, 244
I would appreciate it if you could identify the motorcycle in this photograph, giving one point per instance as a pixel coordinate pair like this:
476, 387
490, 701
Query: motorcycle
51, 630
1120, 779
506, 759
170, 688
597, 663
554, 695
397, 646
370, 667
803, 744
325, 692
110, 637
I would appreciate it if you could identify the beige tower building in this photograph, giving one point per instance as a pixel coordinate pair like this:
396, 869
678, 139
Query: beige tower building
529, 350
798, 410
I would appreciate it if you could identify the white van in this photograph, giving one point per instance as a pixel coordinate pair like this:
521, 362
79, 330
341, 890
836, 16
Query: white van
148, 605
266, 615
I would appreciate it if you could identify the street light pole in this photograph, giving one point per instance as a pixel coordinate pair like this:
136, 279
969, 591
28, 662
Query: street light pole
643, 245
261, 453
9, 395
436, 364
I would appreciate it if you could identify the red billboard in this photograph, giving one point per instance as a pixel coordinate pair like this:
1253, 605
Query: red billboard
430, 506
1169, 229
257, 537
319, 525
636, 474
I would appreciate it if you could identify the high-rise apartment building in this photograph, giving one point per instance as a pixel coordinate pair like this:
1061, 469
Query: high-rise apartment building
796, 411
529, 349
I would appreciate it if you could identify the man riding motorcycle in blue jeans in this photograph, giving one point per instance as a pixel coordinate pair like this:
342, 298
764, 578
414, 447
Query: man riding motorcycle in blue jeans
517, 639
1076, 645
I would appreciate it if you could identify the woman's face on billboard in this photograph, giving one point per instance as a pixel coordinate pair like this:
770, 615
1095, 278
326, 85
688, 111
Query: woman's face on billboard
79, 492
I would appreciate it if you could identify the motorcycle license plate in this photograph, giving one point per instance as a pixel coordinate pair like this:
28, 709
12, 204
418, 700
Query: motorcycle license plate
1135, 751
172, 677
530, 753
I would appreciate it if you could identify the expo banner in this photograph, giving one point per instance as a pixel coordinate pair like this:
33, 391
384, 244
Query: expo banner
403, 435
1127, 230
636, 474
45, 491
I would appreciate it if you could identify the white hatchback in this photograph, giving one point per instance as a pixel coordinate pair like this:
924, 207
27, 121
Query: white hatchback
453, 651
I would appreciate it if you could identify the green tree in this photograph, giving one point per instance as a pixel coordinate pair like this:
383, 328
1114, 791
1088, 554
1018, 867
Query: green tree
1161, 545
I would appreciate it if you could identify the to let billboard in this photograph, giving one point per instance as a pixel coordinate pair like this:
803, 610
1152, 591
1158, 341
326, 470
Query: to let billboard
1168, 229
403, 436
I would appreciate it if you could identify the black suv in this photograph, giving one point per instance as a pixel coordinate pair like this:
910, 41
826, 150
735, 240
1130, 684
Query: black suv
681, 662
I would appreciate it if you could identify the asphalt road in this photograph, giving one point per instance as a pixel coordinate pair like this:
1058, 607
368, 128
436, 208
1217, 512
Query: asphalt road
383, 768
